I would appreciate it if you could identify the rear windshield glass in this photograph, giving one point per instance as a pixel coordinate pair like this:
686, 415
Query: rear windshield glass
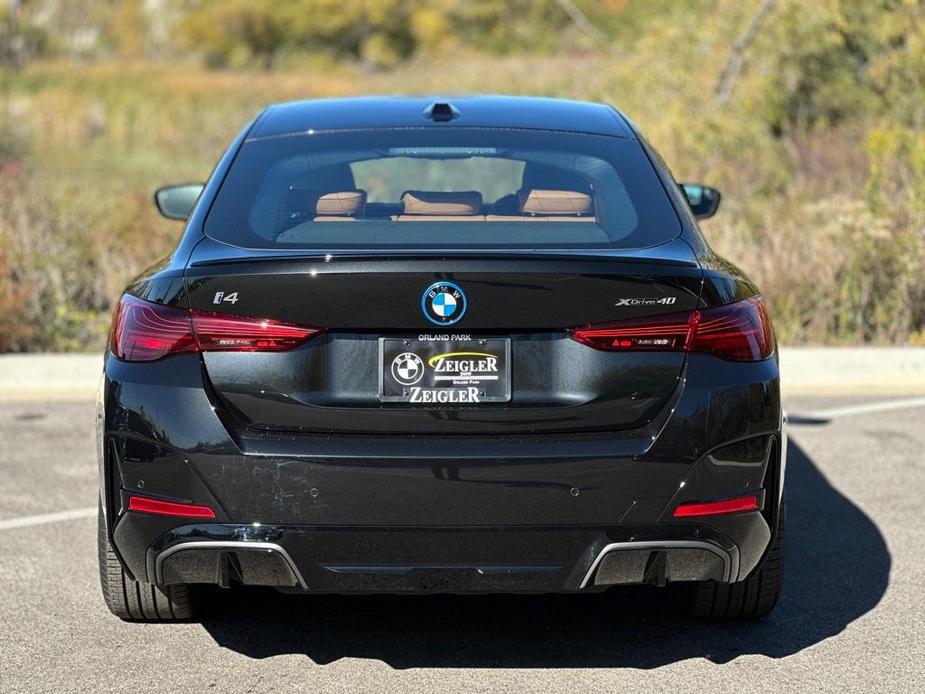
449, 188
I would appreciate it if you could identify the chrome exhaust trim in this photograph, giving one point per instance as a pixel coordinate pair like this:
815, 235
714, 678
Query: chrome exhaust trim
229, 545
730, 567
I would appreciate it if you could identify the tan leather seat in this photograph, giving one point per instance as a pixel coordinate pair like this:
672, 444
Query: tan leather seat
428, 206
556, 203
344, 206
543, 205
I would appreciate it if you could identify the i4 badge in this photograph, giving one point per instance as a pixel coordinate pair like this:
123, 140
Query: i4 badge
443, 303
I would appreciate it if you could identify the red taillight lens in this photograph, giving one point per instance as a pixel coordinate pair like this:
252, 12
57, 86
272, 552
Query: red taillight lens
144, 331
220, 333
667, 332
712, 508
740, 332
144, 504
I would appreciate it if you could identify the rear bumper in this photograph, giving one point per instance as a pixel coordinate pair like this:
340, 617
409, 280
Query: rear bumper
460, 514
477, 560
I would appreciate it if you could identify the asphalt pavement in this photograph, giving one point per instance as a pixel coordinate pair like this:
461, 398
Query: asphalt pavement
852, 616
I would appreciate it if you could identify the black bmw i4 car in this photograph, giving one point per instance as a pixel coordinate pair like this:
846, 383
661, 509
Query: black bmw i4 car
475, 345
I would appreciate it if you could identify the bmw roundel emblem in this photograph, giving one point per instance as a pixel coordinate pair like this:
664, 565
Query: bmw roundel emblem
443, 303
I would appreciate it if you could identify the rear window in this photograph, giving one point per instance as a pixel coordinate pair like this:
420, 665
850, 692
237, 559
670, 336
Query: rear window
449, 188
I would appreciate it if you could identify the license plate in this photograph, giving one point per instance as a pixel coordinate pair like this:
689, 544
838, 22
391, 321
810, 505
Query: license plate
444, 370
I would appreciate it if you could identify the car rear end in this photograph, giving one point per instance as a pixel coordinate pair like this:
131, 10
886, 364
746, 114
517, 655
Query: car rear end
441, 359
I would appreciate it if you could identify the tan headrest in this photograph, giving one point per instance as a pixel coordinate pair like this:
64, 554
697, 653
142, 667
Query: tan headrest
349, 203
430, 203
541, 201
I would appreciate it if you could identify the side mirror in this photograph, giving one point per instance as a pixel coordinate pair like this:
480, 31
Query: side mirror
176, 202
704, 201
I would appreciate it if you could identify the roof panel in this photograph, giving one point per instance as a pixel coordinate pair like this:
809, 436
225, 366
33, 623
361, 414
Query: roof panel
474, 111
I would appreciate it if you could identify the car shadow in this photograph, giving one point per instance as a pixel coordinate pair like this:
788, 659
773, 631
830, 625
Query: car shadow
837, 568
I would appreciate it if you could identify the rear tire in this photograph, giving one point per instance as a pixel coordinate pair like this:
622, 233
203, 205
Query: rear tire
749, 599
133, 600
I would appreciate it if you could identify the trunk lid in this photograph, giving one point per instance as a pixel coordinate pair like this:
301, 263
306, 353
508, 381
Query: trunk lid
373, 308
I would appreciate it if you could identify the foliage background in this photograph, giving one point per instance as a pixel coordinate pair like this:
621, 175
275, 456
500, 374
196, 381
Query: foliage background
810, 116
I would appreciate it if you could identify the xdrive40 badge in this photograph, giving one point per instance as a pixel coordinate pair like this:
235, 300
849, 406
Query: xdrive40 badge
443, 303
646, 301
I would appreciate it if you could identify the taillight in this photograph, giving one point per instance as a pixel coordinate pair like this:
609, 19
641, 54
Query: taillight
668, 332
144, 331
220, 333
739, 332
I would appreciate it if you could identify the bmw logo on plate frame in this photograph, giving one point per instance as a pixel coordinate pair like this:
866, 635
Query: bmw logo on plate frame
444, 303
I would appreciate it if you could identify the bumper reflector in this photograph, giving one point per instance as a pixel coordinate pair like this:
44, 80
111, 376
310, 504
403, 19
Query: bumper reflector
168, 508
711, 508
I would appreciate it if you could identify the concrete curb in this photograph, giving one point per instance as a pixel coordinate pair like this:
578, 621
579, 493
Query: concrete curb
852, 370
805, 371
47, 376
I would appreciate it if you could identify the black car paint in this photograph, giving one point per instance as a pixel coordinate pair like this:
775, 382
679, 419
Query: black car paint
538, 494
